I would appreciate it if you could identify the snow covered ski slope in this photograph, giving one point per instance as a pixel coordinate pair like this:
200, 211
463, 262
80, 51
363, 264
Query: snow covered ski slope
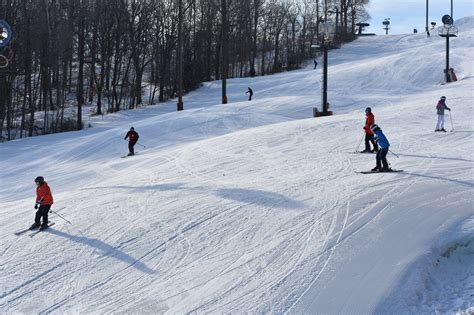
255, 207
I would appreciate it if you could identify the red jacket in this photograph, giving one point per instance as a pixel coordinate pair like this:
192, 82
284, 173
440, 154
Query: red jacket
369, 121
43, 195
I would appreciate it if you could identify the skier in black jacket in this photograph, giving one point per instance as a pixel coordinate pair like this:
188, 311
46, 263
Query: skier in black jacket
250, 93
132, 136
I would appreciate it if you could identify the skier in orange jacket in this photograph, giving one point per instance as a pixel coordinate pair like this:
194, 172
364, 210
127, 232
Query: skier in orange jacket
369, 134
44, 200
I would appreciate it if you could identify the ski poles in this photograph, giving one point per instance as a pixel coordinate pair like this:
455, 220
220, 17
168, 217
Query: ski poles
358, 146
393, 153
450, 118
60, 216
141, 144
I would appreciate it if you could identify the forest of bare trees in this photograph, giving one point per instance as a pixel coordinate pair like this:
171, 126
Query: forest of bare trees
120, 54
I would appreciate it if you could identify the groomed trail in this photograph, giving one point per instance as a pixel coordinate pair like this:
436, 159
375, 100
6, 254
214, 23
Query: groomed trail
255, 207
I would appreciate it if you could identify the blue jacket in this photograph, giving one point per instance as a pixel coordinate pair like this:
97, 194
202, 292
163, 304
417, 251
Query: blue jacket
381, 139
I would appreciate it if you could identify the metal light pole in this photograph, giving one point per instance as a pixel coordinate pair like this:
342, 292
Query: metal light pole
446, 71
427, 30
447, 30
225, 51
180, 105
328, 32
5, 38
325, 77
386, 24
452, 10
5, 83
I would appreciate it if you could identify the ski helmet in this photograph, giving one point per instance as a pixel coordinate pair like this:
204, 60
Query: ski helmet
375, 128
132, 129
368, 110
443, 98
39, 180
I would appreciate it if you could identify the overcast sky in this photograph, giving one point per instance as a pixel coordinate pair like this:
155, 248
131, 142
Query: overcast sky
405, 15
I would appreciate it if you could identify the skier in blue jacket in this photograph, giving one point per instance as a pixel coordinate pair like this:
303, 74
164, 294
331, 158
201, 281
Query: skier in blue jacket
381, 158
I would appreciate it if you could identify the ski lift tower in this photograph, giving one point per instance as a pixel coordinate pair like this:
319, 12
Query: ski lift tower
328, 31
447, 30
386, 26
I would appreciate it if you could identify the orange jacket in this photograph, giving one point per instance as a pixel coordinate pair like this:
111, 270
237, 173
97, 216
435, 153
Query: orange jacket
369, 121
43, 195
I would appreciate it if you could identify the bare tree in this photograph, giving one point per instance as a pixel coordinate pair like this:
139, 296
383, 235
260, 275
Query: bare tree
67, 52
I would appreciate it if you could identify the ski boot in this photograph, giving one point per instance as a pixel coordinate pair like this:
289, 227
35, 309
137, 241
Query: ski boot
34, 226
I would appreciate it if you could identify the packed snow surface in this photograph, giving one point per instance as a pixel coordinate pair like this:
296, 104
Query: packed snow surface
256, 207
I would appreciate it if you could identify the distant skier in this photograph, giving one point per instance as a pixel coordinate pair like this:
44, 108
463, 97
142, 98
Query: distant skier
452, 75
381, 158
369, 135
250, 92
440, 107
315, 63
44, 200
132, 136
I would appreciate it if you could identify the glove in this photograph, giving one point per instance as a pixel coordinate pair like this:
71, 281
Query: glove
36, 205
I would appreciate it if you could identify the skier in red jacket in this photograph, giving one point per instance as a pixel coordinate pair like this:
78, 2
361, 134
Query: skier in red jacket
132, 136
44, 200
369, 134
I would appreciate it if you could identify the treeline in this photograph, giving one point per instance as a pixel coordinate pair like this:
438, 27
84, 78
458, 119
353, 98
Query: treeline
114, 53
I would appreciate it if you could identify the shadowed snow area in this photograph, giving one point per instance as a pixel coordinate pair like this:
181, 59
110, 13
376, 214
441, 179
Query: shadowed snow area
255, 207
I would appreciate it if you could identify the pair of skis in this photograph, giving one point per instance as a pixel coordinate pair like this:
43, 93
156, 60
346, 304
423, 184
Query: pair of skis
34, 231
129, 155
376, 172
380, 172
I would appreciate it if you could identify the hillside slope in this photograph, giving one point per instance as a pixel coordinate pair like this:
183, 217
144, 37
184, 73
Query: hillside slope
254, 206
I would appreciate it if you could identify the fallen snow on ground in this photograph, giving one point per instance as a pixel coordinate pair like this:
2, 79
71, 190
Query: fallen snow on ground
255, 206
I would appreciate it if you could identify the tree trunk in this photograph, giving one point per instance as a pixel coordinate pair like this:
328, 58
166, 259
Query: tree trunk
80, 77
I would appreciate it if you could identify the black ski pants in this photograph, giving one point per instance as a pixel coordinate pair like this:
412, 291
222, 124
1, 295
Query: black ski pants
130, 147
382, 158
369, 138
42, 212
